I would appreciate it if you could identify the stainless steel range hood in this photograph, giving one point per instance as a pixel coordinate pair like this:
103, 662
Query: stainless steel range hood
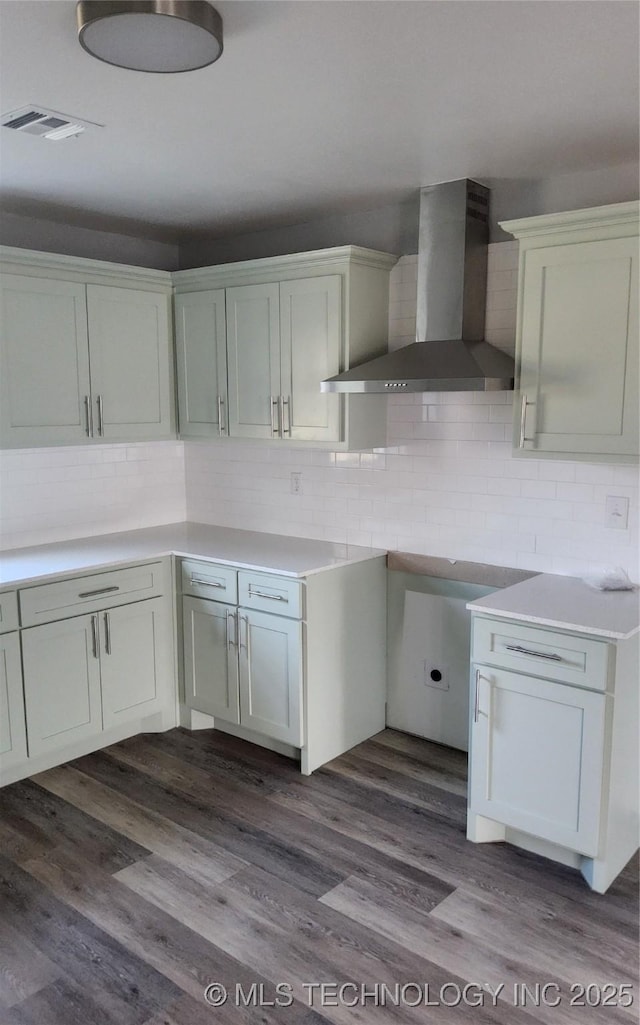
450, 353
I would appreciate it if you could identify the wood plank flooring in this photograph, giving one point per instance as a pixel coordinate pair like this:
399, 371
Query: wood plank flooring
136, 877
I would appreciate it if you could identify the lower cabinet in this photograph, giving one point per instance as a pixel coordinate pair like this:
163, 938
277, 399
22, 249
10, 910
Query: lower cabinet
245, 667
13, 736
270, 658
554, 744
89, 673
537, 752
61, 683
211, 658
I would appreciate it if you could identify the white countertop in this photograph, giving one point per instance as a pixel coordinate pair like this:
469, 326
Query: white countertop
566, 603
291, 556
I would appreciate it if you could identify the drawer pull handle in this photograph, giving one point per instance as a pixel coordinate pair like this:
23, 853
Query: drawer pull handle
536, 654
101, 590
208, 583
262, 594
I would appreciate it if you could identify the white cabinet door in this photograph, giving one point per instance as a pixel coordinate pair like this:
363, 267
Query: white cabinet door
253, 353
44, 362
270, 658
537, 751
61, 683
135, 660
579, 351
130, 354
13, 737
311, 334
210, 658
201, 360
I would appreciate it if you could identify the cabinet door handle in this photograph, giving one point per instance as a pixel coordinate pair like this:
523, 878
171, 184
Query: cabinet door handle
208, 583
275, 405
100, 590
107, 634
245, 620
523, 420
87, 414
94, 635
262, 594
536, 654
100, 416
476, 697
477, 711
232, 642
286, 405
221, 424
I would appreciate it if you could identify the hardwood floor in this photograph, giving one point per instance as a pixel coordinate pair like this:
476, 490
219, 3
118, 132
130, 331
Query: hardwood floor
134, 878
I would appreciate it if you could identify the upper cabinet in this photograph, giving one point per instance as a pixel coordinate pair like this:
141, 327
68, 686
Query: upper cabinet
577, 338
85, 351
255, 339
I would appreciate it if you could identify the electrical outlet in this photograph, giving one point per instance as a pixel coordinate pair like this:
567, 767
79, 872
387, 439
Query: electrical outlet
616, 512
296, 483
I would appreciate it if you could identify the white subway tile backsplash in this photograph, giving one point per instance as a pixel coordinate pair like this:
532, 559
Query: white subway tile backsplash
57, 493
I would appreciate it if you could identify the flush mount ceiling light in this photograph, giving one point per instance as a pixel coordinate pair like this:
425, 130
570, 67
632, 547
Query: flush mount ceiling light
151, 35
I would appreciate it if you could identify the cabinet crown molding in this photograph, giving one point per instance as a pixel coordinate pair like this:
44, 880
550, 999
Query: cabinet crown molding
21, 261
616, 215
338, 257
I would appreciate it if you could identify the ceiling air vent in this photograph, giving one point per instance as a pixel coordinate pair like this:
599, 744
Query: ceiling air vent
48, 124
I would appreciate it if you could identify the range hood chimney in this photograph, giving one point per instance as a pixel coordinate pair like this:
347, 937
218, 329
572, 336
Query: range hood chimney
450, 353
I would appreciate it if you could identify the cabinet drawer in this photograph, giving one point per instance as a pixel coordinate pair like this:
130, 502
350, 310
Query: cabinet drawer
78, 595
538, 652
8, 611
209, 580
270, 593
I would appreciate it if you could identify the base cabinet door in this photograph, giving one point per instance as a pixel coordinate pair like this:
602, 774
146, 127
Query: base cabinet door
537, 753
44, 362
135, 660
210, 658
13, 736
270, 660
129, 345
61, 664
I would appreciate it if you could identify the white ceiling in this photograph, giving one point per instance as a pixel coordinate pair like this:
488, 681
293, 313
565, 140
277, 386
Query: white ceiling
318, 106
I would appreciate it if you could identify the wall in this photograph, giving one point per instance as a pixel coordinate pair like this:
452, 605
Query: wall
56, 237
393, 228
50, 494
446, 484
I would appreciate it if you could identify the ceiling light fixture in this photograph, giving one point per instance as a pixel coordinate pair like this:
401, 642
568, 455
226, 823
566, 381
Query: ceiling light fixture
161, 36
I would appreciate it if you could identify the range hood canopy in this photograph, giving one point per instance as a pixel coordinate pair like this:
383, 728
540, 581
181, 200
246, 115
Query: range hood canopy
450, 353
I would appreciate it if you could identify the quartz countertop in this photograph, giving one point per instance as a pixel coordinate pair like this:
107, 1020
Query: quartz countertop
566, 603
290, 556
